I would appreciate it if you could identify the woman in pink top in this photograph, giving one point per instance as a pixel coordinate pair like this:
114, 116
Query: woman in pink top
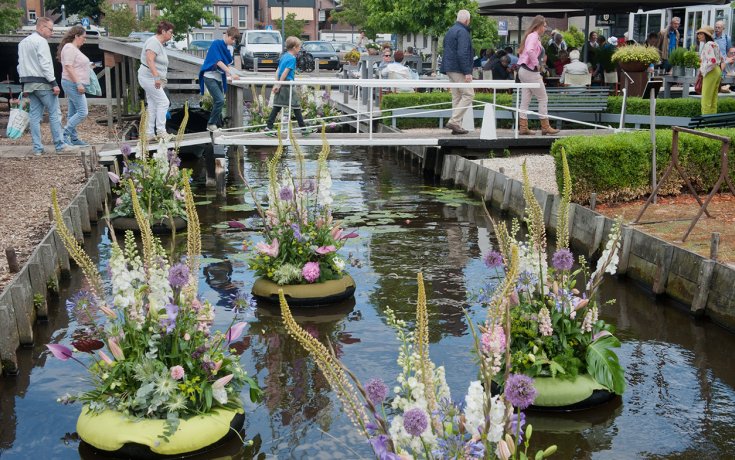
528, 72
74, 78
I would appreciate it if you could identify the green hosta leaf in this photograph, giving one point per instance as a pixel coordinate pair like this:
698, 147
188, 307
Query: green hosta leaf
603, 364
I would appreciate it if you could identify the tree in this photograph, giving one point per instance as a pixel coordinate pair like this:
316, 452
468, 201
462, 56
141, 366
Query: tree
293, 27
185, 14
390, 16
120, 22
484, 32
9, 16
90, 8
354, 13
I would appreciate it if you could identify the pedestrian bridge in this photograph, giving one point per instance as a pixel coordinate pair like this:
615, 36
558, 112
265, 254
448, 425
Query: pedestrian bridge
361, 115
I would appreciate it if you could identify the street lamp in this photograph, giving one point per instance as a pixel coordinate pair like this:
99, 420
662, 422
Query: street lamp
63, 14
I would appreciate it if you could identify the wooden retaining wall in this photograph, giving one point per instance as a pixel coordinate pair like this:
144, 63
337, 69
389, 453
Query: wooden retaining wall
25, 298
703, 284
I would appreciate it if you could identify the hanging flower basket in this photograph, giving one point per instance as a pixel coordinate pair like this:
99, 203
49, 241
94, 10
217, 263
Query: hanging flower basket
116, 434
306, 295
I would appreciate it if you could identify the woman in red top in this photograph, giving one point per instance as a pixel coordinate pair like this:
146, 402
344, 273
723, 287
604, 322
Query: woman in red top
528, 61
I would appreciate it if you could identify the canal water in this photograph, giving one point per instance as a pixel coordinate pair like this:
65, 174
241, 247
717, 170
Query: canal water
680, 379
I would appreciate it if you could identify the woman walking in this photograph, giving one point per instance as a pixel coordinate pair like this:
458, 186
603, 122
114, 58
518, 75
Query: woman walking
152, 78
214, 74
75, 68
528, 61
710, 59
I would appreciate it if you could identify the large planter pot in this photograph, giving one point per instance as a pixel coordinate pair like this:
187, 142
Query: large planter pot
678, 71
306, 295
633, 66
558, 395
161, 227
118, 435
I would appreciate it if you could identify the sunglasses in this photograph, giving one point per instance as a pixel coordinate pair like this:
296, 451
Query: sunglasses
386, 55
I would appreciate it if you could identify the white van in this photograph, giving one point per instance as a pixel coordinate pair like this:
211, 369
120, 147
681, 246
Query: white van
263, 46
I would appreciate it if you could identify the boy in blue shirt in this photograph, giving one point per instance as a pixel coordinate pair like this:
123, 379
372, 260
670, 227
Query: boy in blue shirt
285, 72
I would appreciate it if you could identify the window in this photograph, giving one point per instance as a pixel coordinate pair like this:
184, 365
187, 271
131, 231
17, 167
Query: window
225, 16
205, 23
242, 17
425, 42
31, 15
119, 6
142, 11
201, 36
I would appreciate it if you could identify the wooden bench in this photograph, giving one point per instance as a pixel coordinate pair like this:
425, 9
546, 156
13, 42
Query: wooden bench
570, 99
714, 120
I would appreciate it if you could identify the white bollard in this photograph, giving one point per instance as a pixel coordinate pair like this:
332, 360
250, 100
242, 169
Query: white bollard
488, 130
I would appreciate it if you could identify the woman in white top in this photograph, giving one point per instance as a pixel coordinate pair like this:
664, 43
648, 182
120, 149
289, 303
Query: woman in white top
152, 78
75, 68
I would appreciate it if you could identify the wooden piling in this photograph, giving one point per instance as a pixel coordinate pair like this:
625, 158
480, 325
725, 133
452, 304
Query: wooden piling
12, 257
714, 245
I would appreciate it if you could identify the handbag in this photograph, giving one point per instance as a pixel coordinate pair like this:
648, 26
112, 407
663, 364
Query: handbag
93, 88
698, 84
17, 121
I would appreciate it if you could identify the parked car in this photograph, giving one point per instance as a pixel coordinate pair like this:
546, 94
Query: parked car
261, 46
342, 49
200, 45
324, 53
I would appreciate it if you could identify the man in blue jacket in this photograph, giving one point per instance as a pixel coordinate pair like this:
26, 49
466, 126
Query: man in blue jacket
457, 64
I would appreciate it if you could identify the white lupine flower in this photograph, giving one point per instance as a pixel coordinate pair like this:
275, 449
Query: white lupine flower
474, 407
497, 419
325, 188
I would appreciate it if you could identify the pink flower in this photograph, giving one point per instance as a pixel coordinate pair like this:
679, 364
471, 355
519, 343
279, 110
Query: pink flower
336, 233
544, 325
113, 177
493, 341
187, 337
311, 272
220, 383
325, 249
108, 312
600, 335
115, 349
59, 351
269, 250
235, 331
349, 235
104, 357
177, 372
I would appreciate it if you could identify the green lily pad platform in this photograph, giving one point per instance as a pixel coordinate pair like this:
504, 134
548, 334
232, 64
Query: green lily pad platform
558, 395
306, 295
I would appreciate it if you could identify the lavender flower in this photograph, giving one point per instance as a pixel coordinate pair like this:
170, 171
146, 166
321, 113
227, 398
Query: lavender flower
519, 390
168, 322
381, 448
80, 300
286, 193
516, 425
126, 150
376, 391
493, 259
311, 272
296, 231
415, 421
173, 159
563, 259
178, 275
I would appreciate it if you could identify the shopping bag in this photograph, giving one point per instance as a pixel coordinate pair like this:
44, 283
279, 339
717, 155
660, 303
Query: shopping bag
93, 88
698, 84
18, 120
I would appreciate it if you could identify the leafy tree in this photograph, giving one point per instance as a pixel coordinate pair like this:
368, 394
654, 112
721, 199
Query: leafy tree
185, 14
390, 16
573, 37
293, 27
120, 22
354, 13
484, 32
10, 16
82, 8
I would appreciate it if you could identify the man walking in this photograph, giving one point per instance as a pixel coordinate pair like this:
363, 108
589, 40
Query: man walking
36, 71
668, 39
457, 64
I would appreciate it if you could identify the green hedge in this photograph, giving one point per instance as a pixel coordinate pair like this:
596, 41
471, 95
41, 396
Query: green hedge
618, 167
688, 107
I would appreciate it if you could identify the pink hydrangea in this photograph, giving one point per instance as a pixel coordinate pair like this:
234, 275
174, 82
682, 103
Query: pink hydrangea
177, 372
311, 272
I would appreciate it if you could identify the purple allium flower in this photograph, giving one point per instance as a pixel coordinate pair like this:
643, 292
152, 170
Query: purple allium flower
415, 421
493, 259
308, 186
519, 390
178, 275
311, 272
286, 193
126, 150
563, 259
376, 391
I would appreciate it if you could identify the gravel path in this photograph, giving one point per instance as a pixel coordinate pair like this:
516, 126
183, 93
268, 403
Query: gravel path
541, 169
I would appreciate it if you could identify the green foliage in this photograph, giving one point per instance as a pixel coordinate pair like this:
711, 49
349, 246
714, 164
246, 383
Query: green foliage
38, 301
83, 8
118, 22
185, 14
618, 167
484, 32
636, 53
603, 364
354, 13
10, 16
293, 27
573, 37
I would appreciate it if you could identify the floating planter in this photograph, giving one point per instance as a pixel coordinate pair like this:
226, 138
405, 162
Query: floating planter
558, 395
306, 295
118, 435
300, 240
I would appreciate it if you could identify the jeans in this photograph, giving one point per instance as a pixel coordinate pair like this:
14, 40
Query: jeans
461, 98
218, 100
277, 109
45, 99
157, 106
77, 108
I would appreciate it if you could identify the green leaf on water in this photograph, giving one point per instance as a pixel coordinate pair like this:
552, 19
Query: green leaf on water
210, 260
202, 203
245, 207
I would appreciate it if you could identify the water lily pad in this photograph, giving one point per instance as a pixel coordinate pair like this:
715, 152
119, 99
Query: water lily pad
202, 203
244, 207
210, 260
388, 229
451, 197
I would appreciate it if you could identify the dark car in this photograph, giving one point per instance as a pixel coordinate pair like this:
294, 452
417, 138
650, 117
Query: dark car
324, 53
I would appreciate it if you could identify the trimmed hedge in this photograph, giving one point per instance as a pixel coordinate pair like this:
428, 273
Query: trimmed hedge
687, 107
618, 167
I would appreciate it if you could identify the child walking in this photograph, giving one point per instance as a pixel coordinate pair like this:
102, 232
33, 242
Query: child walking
285, 72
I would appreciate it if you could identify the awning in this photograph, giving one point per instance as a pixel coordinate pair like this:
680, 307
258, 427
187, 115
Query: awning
302, 14
556, 8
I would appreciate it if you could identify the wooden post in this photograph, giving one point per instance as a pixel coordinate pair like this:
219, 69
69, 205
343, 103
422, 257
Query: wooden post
593, 201
108, 93
714, 245
118, 90
12, 260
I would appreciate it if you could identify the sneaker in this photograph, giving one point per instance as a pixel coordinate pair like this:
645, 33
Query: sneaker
78, 142
307, 132
38, 153
270, 133
66, 148
212, 128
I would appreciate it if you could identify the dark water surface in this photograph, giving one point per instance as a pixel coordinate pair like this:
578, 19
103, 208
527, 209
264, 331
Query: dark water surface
680, 378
